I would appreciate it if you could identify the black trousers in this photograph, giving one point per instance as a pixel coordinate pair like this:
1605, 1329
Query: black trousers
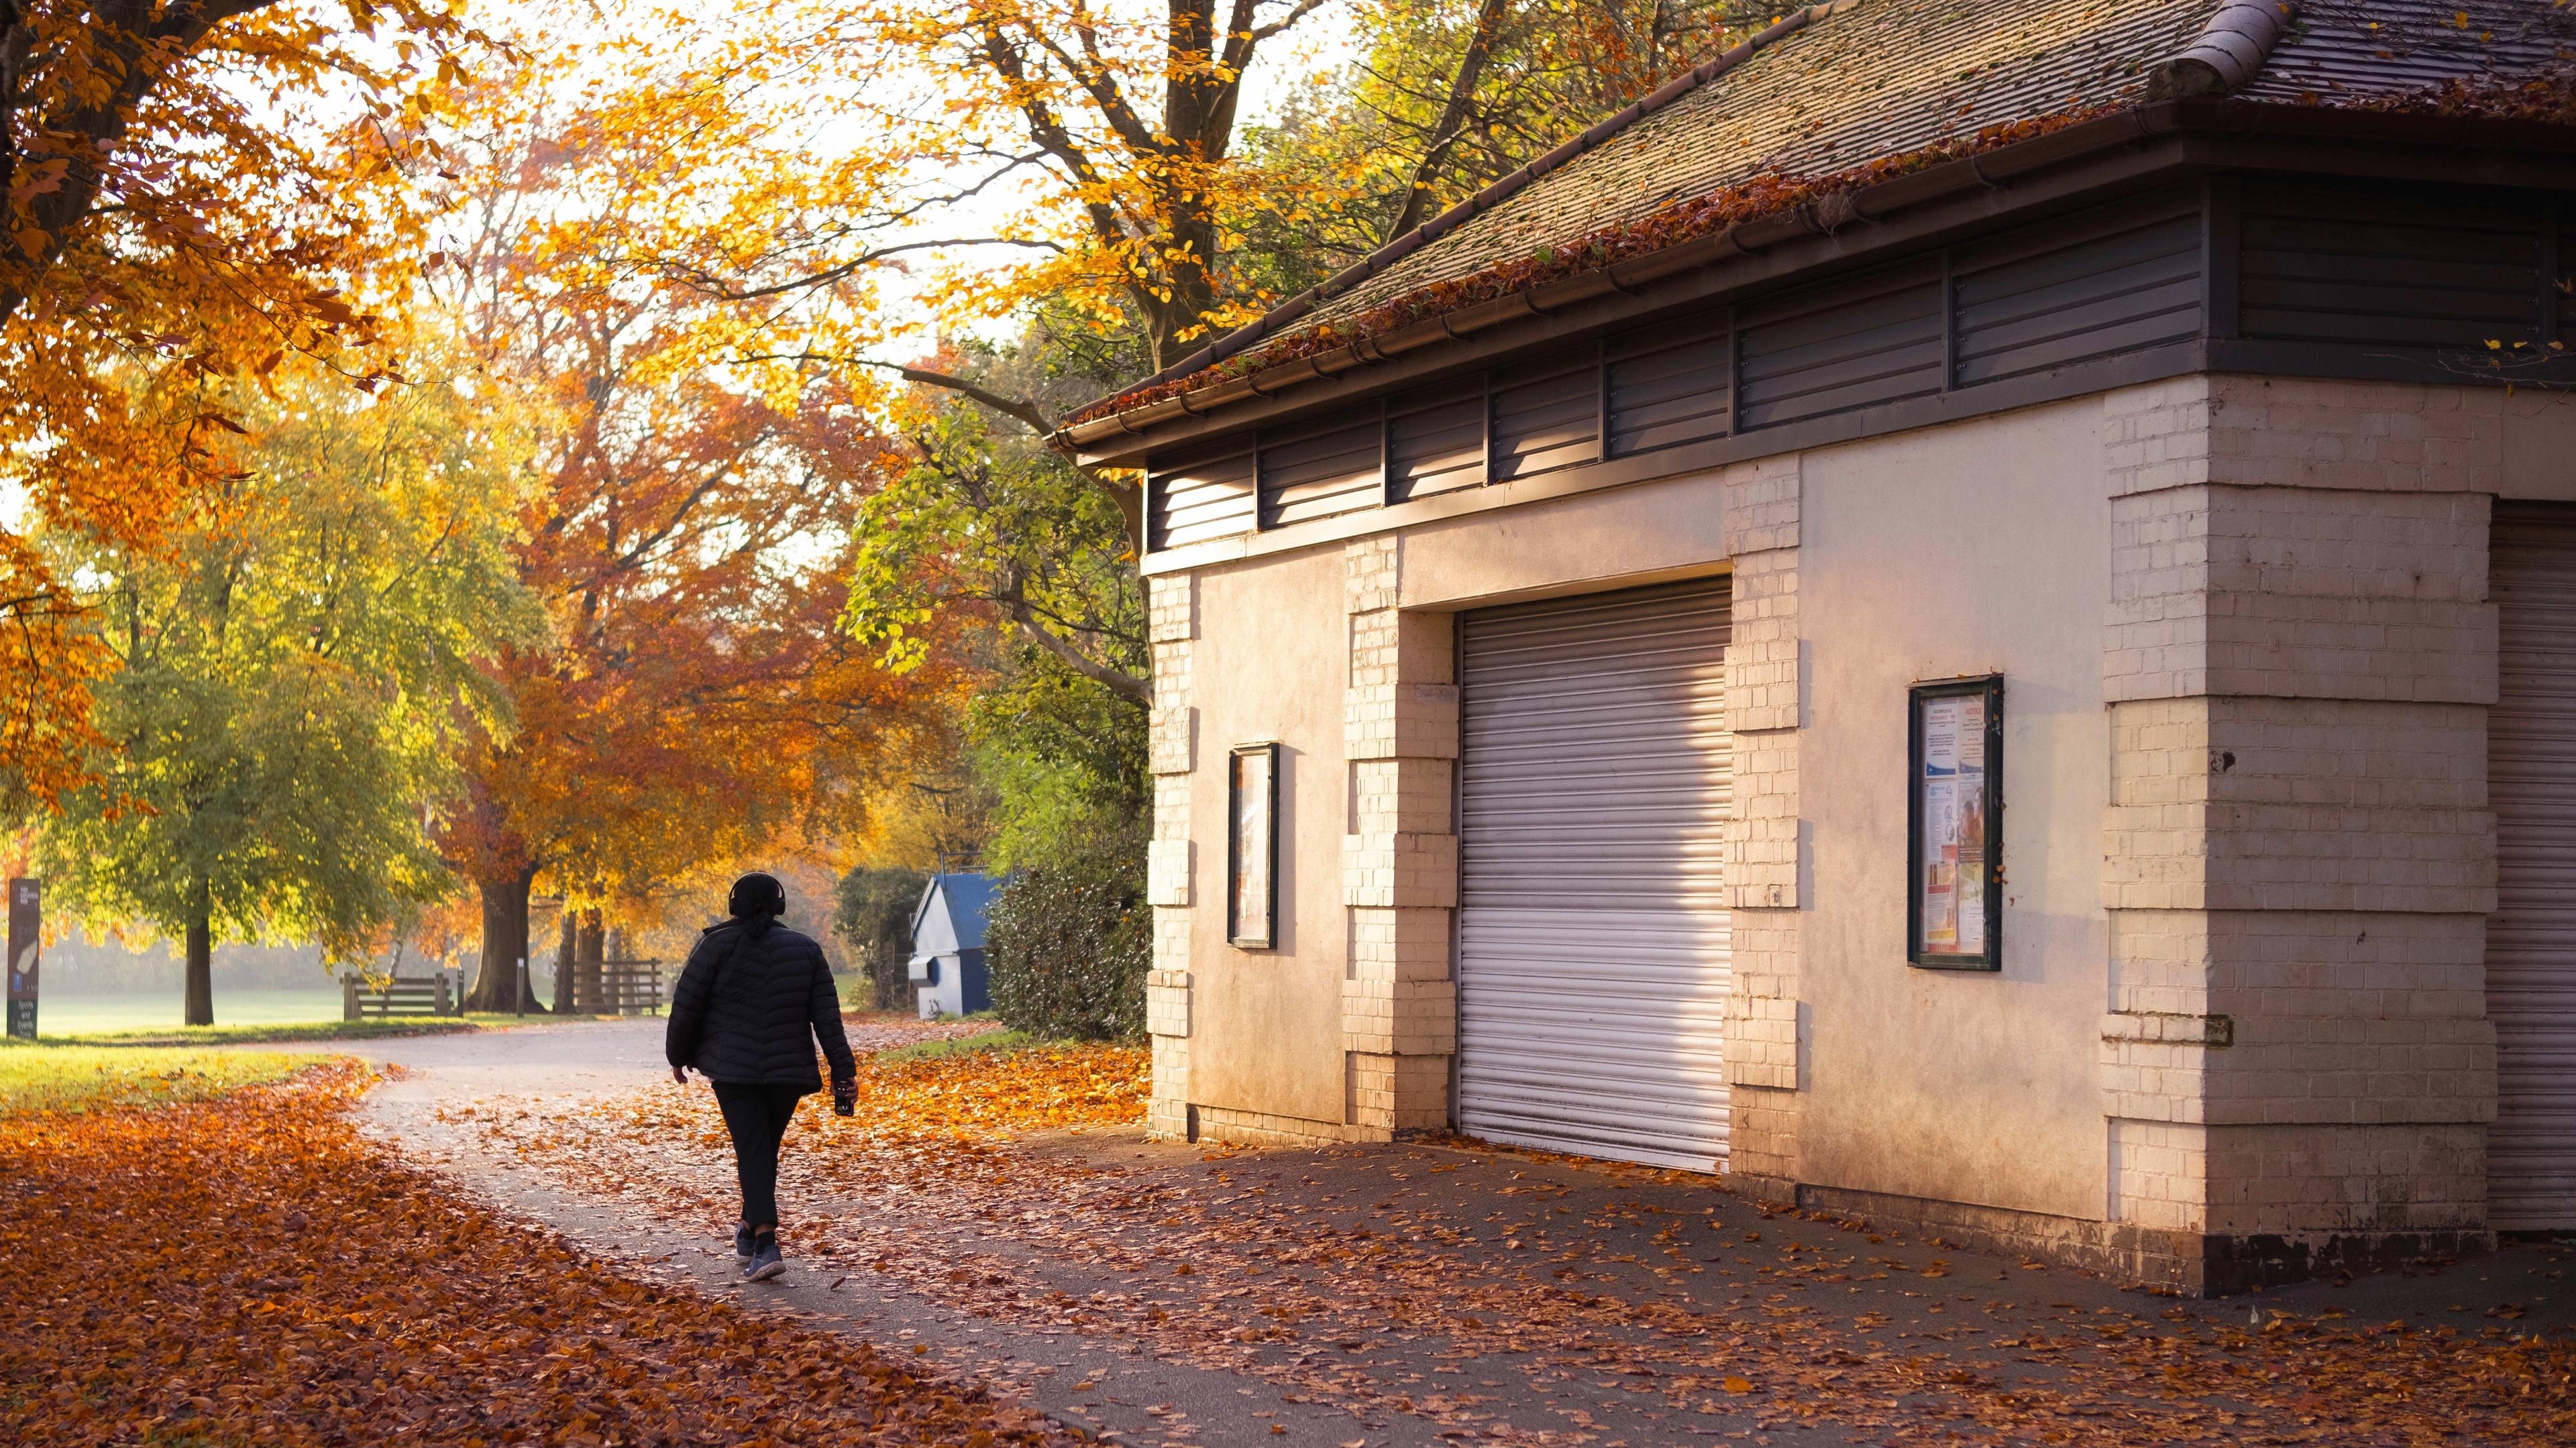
757, 1116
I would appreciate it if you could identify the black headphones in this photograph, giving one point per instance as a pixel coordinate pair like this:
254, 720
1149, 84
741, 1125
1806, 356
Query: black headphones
756, 894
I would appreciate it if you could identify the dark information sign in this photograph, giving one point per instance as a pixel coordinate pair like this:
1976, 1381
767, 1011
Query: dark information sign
26, 930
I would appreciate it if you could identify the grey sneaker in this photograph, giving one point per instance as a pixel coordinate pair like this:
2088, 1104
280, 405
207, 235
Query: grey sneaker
764, 1263
744, 1243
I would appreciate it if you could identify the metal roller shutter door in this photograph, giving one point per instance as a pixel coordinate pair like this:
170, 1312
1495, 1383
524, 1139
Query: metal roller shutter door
2531, 939
1594, 782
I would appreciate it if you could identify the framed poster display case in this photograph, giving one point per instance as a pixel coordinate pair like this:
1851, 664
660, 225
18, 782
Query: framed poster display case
1954, 891
1252, 846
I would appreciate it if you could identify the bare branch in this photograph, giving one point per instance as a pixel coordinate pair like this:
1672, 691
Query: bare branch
1304, 9
1453, 118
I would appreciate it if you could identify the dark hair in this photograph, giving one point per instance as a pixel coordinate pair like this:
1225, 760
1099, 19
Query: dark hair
756, 900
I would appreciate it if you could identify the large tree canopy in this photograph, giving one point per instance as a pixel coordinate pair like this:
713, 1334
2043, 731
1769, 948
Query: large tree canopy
291, 670
190, 191
694, 699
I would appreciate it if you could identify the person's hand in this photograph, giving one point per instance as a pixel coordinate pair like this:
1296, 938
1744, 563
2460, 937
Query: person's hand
680, 1074
845, 1096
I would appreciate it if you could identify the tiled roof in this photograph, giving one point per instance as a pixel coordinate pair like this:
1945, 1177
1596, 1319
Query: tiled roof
1866, 79
1888, 76
1882, 77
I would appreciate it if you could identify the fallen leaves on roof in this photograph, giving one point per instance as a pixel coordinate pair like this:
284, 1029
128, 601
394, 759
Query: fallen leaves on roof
2549, 98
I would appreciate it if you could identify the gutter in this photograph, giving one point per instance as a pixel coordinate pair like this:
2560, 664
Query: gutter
1298, 306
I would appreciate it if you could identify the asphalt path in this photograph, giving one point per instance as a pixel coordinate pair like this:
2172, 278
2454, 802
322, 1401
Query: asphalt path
1128, 1391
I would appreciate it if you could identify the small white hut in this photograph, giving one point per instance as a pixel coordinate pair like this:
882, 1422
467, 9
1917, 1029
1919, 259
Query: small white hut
948, 945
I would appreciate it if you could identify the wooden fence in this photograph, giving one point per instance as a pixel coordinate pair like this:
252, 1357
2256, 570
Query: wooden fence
631, 987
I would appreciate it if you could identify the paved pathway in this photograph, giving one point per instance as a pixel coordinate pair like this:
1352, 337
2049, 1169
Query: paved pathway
1128, 1389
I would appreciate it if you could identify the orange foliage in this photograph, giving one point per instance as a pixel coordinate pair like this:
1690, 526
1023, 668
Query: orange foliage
170, 216
250, 1270
690, 528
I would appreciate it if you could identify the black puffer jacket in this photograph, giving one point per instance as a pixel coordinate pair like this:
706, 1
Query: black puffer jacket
748, 1011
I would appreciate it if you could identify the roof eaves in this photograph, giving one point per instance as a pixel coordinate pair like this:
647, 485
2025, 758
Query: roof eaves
1814, 207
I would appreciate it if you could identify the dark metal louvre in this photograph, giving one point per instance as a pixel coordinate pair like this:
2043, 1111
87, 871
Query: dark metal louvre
1435, 440
2046, 299
1669, 384
1846, 345
1195, 497
1547, 415
2407, 270
1318, 471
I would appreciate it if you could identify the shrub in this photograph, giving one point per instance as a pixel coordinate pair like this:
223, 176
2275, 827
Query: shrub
1068, 944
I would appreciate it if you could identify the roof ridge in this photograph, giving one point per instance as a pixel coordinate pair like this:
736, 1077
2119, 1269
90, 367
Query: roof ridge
2231, 49
1485, 200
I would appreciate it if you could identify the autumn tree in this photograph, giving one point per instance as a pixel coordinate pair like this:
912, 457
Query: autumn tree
1083, 176
289, 671
188, 192
694, 698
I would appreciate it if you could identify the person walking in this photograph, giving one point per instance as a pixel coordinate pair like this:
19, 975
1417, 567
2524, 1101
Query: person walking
751, 1003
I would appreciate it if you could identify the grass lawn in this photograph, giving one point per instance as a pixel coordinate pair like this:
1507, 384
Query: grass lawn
84, 1078
221, 1035
241, 1017
68, 1014
999, 1038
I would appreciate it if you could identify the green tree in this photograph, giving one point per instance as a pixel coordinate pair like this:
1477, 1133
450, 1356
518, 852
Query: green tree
872, 910
1070, 941
989, 518
290, 673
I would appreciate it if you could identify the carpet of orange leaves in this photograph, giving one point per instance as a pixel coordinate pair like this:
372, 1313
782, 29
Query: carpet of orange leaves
251, 1270
1240, 1263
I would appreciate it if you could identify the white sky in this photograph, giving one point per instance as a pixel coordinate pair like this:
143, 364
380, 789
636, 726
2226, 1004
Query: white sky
1320, 40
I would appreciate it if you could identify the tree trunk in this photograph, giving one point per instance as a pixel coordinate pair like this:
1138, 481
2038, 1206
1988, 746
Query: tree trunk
200, 1007
497, 985
564, 966
589, 986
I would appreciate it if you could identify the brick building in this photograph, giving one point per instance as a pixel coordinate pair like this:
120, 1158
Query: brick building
1965, 615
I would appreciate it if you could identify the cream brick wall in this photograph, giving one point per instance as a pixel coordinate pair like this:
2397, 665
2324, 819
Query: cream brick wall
2305, 433
2233, 590
2310, 1181
1167, 1111
1172, 627
2298, 853
1765, 707
1400, 852
1399, 866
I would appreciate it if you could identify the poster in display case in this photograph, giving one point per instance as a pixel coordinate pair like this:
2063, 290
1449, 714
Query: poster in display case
1954, 855
1252, 846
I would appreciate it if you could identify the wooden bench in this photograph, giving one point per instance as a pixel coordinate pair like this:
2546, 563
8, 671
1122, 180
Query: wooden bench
421, 995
